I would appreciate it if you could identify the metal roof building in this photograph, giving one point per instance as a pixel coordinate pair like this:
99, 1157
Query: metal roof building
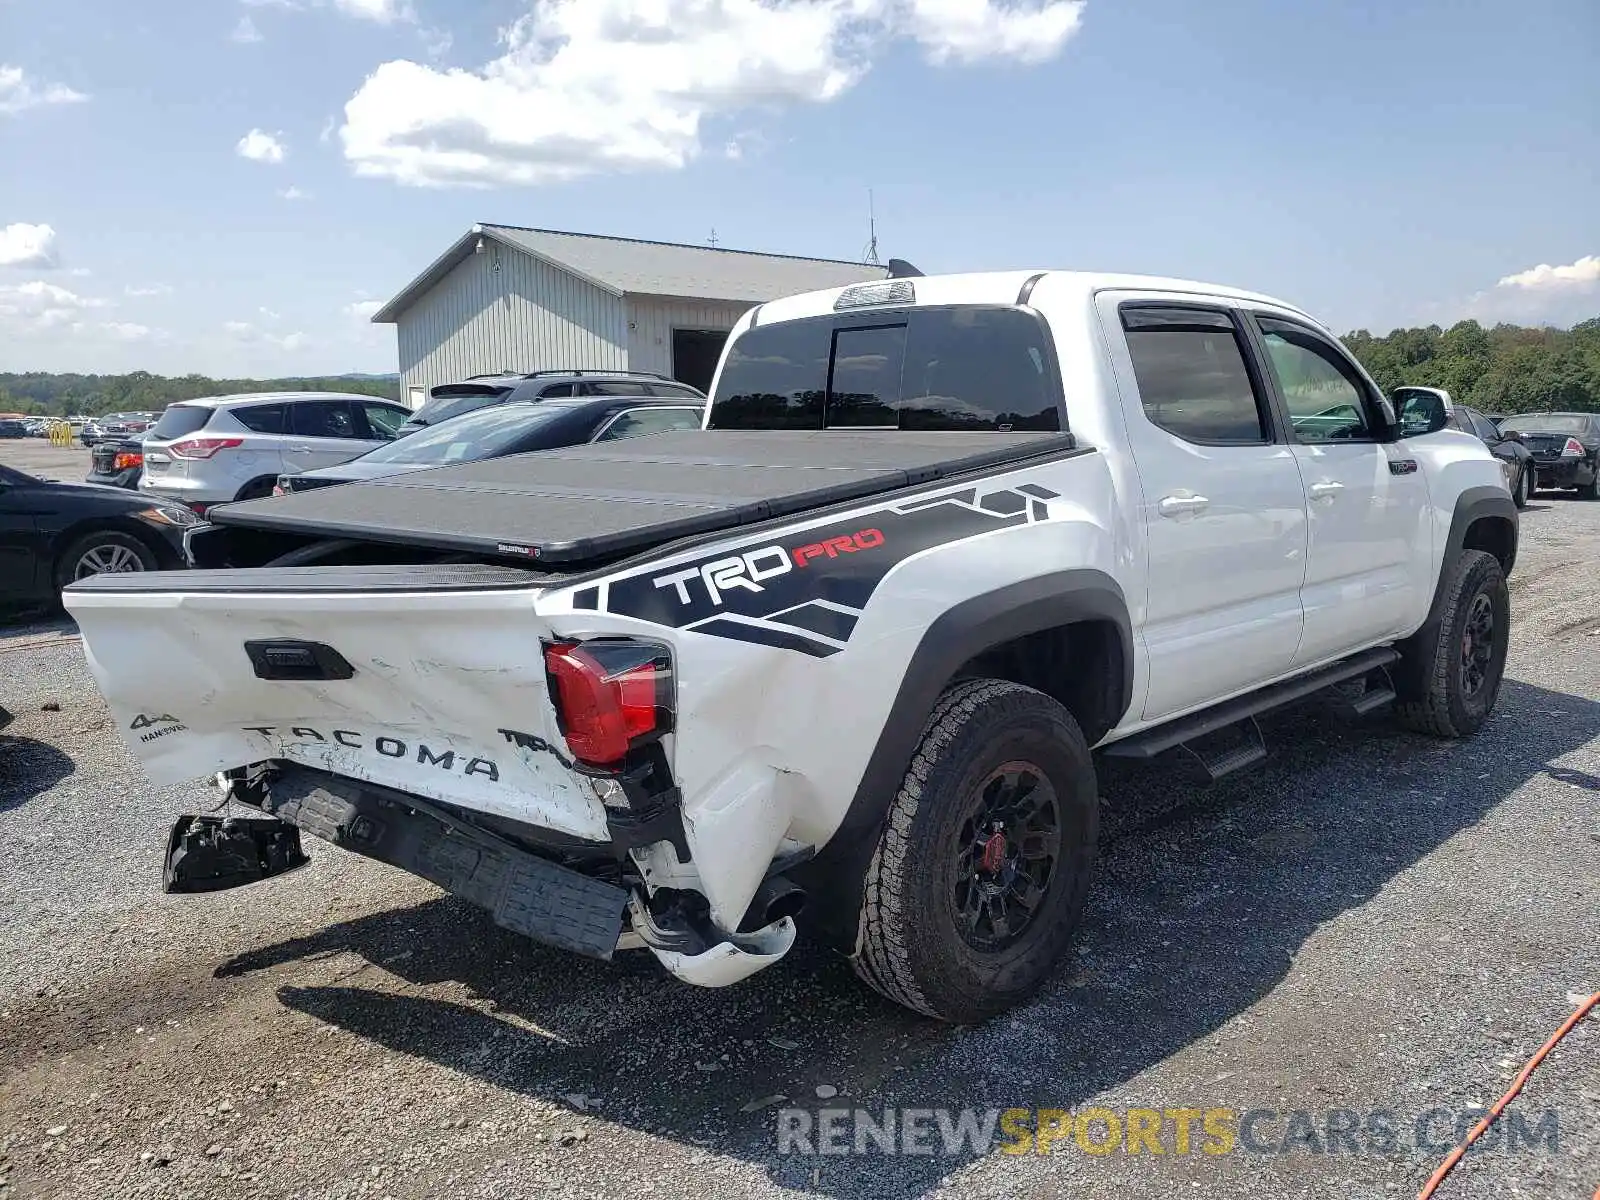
507, 298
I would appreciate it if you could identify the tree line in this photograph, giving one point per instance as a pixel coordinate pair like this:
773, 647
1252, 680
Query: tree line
1503, 369
42, 393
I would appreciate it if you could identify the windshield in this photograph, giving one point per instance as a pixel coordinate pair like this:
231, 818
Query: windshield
476, 435
1546, 423
453, 400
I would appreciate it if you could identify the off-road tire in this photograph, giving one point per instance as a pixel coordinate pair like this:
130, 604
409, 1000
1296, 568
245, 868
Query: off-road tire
908, 946
1436, 702
110, 539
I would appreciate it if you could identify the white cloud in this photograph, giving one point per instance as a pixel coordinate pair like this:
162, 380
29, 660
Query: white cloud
328, 127
293, 193
384, 12
23, 245
1581, 274
80, 272
18, 93
149, 289
245, 32
127, 331
268, 313
363, 309
244, 331
589, 86
37, 305
260, 146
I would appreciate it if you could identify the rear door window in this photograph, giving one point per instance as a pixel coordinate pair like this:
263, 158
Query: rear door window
260, 418
1193, 381
615, 387
180, 420
957, 368
323, 419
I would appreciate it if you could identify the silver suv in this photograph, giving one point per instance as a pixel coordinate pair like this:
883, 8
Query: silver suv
221, 448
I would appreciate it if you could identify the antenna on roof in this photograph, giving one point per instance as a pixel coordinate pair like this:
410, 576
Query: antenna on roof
871, 254
712, 240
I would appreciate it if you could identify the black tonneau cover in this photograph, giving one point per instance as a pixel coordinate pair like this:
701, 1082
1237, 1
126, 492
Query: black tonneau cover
565, 507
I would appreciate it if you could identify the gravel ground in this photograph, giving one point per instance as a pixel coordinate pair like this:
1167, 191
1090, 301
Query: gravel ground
1370, 921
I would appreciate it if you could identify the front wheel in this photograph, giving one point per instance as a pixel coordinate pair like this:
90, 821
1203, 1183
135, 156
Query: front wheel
1524, 490
104, 551
980, 875
1454, 677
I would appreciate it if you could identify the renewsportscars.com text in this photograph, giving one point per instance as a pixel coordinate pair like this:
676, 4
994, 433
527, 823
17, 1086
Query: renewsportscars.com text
1165, 1131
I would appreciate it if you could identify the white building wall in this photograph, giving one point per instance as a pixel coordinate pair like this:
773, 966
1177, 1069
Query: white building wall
525, 316
651, 320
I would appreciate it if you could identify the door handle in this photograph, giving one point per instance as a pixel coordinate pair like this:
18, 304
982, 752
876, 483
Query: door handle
1326, 490
1179, 506
301, 449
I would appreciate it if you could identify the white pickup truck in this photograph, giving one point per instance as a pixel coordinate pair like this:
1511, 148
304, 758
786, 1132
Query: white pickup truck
844, 656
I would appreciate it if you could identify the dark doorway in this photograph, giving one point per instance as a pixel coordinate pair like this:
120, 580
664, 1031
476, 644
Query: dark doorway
694, 355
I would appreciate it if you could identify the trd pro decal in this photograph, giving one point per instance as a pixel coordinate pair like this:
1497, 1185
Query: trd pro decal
805, 591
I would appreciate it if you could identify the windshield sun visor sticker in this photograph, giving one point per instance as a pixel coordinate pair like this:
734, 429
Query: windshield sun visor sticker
805, 590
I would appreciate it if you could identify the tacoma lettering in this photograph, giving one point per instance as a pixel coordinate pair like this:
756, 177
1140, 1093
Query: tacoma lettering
384, 744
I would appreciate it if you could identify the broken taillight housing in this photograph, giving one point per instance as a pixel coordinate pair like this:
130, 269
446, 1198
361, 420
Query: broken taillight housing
611, 696
202, 447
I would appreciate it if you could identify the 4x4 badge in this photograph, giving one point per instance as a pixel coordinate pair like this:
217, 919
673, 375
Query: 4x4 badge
144, 721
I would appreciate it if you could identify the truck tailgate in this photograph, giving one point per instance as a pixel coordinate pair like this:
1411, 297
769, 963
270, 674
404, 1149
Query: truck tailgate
446, 694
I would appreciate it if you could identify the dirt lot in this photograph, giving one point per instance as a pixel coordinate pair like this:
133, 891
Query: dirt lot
1370, 921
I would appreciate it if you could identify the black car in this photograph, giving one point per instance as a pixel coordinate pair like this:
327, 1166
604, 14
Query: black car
1565, 446
52, 534
13, 429
118, 464
1516, 462
1508, 448
480, 391
504, 429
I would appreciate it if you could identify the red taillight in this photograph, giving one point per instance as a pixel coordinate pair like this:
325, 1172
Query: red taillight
199, 507
608, 697
1573, 449
125, 460
202, 447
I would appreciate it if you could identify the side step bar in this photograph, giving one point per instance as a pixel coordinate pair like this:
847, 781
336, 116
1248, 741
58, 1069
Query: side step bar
1151, 742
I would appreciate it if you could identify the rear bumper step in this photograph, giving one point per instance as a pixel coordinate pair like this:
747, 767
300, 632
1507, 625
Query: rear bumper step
524, 893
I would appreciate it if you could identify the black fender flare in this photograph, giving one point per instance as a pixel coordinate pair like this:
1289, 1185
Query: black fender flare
1472, 505
833, 878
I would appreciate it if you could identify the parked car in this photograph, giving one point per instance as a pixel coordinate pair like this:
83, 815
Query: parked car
53, 533
479, 391
1565, 446
118, 464
508, 429
1516, 461
222, 448
842, 654
13, 429
116, 425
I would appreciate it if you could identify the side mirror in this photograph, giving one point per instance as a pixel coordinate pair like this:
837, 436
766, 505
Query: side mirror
1421, 410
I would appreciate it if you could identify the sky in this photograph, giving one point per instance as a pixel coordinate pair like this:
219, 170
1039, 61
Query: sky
231, 187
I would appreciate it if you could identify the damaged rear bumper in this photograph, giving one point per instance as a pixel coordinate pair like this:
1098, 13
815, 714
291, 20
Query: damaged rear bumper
578, 897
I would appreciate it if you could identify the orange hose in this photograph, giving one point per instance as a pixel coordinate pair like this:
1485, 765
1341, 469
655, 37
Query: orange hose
1479, 1129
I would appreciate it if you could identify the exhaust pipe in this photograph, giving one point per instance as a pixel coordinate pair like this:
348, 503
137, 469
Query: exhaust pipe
776, 898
